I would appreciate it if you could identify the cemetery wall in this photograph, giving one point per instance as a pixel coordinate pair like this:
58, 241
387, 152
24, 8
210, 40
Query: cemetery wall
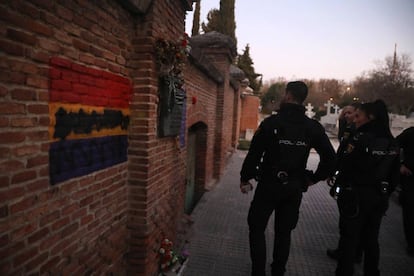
249, 116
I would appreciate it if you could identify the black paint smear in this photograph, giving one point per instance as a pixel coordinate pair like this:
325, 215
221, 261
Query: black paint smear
84, 123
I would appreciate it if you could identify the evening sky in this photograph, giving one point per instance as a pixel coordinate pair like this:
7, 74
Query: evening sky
316, 39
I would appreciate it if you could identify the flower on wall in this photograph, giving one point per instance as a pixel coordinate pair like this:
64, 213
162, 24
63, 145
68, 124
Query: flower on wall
171, 55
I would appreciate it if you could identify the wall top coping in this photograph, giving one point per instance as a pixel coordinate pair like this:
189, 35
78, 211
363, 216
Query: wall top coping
214, 40
142, 6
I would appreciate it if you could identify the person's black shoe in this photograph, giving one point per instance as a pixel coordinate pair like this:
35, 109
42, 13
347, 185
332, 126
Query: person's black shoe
333, 253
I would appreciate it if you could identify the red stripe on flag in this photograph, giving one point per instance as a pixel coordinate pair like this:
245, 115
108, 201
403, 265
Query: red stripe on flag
75, 83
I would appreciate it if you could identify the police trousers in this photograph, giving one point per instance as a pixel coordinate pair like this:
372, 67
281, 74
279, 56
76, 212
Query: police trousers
285, 201
407, 204
362, 228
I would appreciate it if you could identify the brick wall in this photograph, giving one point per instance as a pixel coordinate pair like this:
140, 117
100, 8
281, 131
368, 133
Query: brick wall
49, 52
249, 117
201, 105
69, 202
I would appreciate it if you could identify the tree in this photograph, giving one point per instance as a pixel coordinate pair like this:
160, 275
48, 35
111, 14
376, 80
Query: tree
271, 99
228, 22
391, 81
196, 20
213, 23
222, 20
245, 63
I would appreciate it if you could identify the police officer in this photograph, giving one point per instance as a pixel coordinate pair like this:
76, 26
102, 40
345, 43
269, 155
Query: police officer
345, 122
278, 155
368, 172
345, 133
406, 142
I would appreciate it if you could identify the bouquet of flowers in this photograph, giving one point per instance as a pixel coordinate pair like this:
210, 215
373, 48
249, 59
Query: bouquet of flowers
171, 56
169, 260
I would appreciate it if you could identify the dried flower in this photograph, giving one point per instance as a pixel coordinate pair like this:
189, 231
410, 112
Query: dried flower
171, 56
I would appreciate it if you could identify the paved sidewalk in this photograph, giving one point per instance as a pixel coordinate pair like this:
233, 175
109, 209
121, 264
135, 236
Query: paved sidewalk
219, 238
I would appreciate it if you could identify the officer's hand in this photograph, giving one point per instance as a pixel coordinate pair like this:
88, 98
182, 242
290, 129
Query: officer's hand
405, 171
245, 187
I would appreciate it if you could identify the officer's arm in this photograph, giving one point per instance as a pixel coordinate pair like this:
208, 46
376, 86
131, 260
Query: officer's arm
252, 160
327, 156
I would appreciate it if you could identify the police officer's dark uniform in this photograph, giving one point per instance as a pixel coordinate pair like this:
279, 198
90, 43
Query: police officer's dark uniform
406, 142
368, 173
344, 138
282, 158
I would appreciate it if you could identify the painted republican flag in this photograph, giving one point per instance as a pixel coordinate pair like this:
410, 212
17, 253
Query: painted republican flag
89, 117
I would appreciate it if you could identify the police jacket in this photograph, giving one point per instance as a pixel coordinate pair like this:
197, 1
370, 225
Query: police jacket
283, 142
406, 142
370, 158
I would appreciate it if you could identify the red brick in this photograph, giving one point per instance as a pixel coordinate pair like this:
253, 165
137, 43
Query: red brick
44, 121
38, 108
12, 249
23, 94
4, 212
25, 150
70, 229
81, 45
69, 209
60, 223
64, 13
24, 67
38, 160
49, 241
64, 85
23, 176
86, 201
86, 220
17, 77
23, 122
4, 240
23, 231
36, 261
4, 181
5, 268
37, 136
49, 218
12, 108
11, 48
64, 243
11, 193
4, 122
21, 36
23, 204
38, 184
11, 137
39, 55
27, 9
49, 265
11, 165
38, 27
38, 235
25, 256
3, 91
79, 214
37, 82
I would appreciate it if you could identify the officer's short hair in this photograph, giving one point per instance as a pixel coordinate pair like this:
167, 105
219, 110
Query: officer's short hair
298, 90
